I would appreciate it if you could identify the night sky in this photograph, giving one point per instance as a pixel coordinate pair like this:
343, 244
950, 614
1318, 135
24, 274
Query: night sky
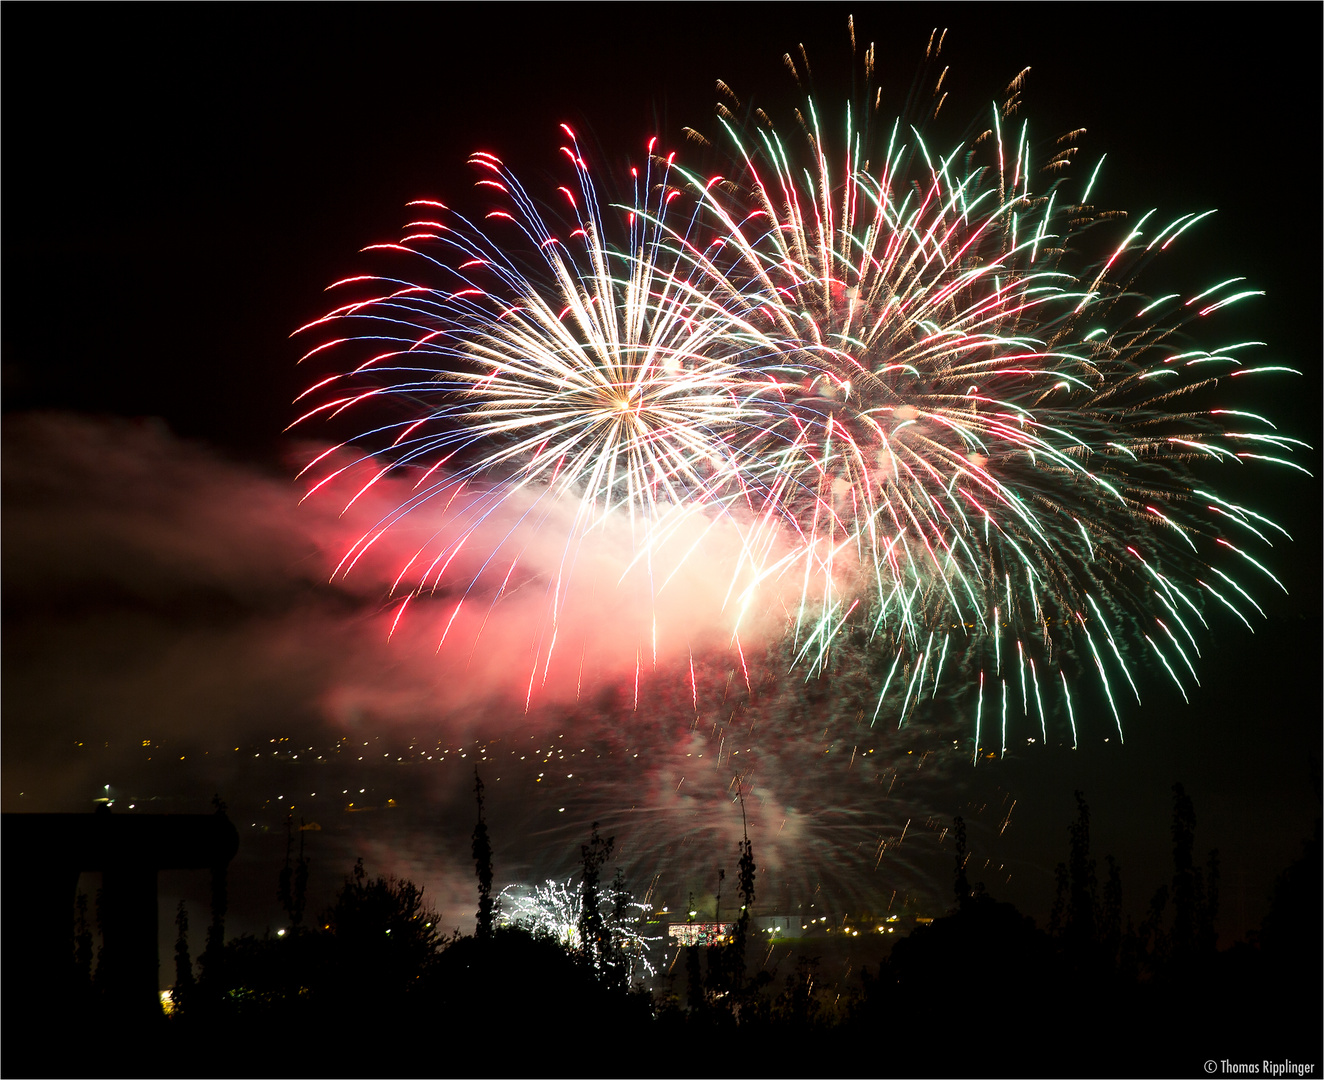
183, 182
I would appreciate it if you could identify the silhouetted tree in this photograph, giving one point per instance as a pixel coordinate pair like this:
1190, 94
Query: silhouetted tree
184, 982
798, 1007
1186, 885
300, 881
1078, 915
1110, 921
285, 880
384, 934
961, 883
1194, 892
616, 971
541, 991
214, 952
1084, 879
745, 873
99, 971
717, 983
693, 969
592, 940
482, 849
983, 939
1293, 913
1057, 915
1290, 941
746, 886
292, 889
82, 943
1206, 941
1153, 944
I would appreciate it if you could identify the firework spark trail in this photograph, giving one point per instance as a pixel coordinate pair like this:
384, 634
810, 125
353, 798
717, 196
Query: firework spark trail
891, 378
553, 909
597, 380
968, 414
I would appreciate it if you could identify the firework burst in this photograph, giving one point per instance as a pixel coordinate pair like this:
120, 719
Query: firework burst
933, 434
573, 382
553, 909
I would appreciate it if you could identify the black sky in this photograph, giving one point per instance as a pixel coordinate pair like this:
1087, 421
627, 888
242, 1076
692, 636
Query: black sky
183, 181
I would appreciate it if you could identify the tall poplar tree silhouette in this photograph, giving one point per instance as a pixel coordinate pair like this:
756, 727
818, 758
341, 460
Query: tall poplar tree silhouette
592, 936
482, 849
